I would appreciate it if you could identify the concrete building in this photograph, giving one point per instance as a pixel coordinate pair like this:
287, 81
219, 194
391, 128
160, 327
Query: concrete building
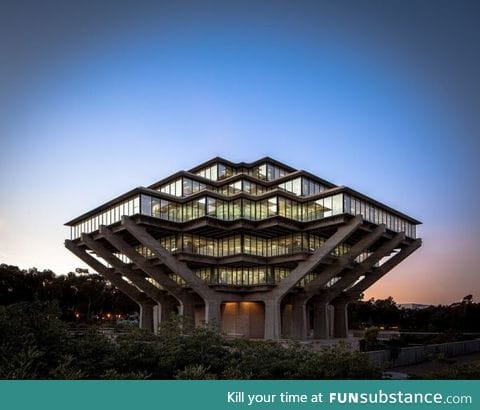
258, 249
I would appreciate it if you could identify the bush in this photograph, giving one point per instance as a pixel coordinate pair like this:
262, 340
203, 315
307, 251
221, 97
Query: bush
34, 343
32, 340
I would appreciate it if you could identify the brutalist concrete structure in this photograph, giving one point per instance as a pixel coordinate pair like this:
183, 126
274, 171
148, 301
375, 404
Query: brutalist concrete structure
257, 249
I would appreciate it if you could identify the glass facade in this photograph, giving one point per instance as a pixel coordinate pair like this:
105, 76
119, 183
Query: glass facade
182, 187
377, 215
302, 186
267, 172
242, 186
246, 209
242, 208
110, 216
216, 172
242, 275
243, 244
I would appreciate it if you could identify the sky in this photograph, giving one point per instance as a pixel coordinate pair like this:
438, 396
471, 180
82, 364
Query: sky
99, 97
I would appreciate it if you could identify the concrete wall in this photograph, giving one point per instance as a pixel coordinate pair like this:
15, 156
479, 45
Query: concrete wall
245, 319
418, 354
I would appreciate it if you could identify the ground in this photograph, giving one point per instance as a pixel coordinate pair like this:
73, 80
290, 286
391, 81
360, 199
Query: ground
436, 366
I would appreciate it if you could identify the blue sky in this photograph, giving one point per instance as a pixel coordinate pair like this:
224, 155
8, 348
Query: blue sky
97, 98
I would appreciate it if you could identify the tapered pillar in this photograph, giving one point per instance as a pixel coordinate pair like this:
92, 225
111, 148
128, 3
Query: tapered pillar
272, 319
340, 318
187, 309
299, 317
321, 320
146, 316
167, 310
213, 314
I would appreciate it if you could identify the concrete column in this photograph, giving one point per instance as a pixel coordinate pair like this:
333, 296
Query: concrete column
167, 310
340, 318
146, 316
213, 316
299, 319
272, 319
187, 310
321, 320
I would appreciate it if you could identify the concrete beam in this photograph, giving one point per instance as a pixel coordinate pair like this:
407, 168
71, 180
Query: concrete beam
323, 277
352, 275
145, 303
377, 273
136, 278
180, 268
307, 266
339, 300
143, 264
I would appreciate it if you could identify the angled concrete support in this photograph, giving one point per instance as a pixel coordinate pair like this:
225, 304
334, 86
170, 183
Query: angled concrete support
377, 273
145, 303
187, 307
180, 268
350, 276
142, 263
136, 278
273, 299
328, 273
340, 302
340, 324
316, 258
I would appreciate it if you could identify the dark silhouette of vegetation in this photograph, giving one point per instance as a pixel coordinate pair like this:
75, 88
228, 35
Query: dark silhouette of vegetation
385, 313
88, 298
37, 309
36, 344
83, 298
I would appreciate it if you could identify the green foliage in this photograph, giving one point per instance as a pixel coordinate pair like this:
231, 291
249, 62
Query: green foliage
452, 319
337, 362
34, 343
112, 374
32, 340
195, 372
88, 296
371, 337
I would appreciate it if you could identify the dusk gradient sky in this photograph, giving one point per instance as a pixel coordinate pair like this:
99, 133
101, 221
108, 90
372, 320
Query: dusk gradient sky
99, 97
